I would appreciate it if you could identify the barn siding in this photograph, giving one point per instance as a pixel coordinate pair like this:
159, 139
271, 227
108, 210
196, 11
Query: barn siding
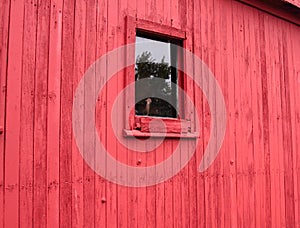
46, 47
4, 12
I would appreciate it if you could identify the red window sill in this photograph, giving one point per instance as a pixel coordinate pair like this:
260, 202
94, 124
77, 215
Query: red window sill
137, 133
171, 125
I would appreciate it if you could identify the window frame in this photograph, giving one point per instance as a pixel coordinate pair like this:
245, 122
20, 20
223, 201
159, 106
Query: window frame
157, 30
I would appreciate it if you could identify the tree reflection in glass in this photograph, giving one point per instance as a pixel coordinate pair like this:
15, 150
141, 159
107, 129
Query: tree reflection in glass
153, 59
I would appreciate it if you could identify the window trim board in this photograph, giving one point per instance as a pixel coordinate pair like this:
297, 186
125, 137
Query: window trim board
157, 29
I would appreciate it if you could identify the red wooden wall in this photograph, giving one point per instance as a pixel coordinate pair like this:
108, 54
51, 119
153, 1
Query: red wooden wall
45, 48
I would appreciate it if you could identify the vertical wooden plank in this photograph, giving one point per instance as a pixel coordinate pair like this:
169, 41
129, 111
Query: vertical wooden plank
150, 191
270, 73
247, 118
280, 201
4, 39
287, 137
192, 169
40, 116
159, 192
199, 178
177, 202
111, 190
66, 101
168, 189
133, 208
266, 125
130, 39
196, 188
228, 154
294, 49
238, 31
142, 203
77, 159
275, 104
176, 15
101, 48
184, 180
179, 14
212, 178
231, 128
292, 78
258, 124
192, 192
132, 215
12, 146
53, 131
257, 104
209, 59
217, 70
206, 119
88, 173
205, 131
122, 191
27, 114
251, 171
185, 18
195, 191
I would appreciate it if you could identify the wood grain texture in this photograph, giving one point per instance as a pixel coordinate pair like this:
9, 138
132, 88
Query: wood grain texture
4, 31
12, 121
27, 117
45, 48
66, 91
53, 136
40, 116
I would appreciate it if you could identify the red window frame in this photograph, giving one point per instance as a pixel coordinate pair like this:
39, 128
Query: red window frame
175, 127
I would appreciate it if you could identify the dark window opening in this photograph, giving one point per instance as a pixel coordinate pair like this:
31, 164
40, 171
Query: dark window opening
156, 58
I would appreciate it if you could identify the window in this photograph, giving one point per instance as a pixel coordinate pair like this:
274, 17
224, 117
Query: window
155, 58
156, 78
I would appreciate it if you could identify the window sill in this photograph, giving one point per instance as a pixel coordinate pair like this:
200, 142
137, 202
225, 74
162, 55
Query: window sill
171, 125
139, 134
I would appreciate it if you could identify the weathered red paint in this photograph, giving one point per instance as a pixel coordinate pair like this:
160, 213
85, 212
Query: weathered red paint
251, 47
